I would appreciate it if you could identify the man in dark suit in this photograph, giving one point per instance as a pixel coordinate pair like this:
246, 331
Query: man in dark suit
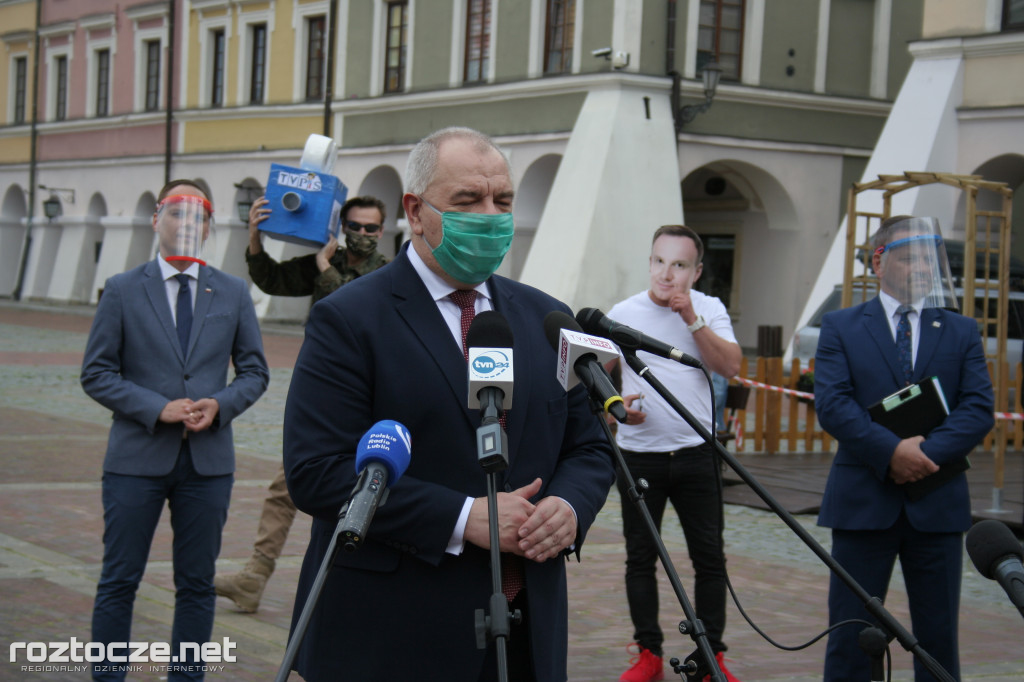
866, 353
388, 346
158, 357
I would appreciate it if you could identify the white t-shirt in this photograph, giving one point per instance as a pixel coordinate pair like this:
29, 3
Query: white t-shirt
664, 430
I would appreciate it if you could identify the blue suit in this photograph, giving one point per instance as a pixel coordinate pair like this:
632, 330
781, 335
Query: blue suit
401, 607
873, 520
134, 365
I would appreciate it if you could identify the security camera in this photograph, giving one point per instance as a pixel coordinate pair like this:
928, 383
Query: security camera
602, 52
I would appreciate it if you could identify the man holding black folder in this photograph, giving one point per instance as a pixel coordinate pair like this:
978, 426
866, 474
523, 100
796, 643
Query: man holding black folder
896, 494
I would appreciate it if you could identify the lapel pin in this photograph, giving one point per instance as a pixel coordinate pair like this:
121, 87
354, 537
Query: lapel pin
935, 323
210, 291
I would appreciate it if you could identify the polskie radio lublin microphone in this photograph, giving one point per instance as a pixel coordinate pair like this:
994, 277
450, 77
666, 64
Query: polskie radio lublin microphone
997, 555
595, 322
581, 359
382, 456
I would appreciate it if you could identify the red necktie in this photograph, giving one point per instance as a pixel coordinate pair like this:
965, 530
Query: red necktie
511, 565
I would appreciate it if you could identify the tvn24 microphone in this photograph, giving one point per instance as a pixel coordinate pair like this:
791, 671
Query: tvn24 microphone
382, 456
595, 322
489, 341
489, 344
997, 555
585, 356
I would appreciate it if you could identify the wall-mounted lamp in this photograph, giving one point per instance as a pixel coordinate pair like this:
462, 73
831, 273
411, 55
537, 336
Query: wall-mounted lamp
711, 73
245, 203
51, 205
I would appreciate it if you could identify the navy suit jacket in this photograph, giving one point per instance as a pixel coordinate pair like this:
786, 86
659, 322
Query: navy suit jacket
855, 367
134, 366
401, 607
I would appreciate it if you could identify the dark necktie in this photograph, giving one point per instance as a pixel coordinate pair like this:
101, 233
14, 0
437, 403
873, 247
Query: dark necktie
466, 300
183, 312
905, 343
511, 565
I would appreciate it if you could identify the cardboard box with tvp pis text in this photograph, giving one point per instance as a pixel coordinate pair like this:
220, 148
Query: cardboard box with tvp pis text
306, 202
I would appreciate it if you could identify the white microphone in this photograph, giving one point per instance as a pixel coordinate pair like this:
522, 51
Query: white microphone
581, 359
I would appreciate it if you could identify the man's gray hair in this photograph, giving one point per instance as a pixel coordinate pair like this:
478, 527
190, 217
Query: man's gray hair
422, 164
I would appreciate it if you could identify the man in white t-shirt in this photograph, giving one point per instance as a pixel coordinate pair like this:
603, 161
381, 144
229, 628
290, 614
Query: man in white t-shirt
660, 446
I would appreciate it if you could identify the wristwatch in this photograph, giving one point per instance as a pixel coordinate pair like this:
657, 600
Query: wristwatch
697, 325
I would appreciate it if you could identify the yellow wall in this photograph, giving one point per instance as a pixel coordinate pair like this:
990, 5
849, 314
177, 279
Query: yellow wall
15, 149
15, 18
994, 81
247, 134
953, 18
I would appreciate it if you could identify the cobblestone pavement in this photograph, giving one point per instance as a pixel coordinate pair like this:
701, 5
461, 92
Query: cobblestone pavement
53, 437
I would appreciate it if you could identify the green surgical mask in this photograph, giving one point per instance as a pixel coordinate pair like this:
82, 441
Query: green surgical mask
472, 244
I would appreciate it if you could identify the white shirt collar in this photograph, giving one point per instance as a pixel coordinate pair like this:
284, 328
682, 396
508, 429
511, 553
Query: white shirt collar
167, 270
438, 288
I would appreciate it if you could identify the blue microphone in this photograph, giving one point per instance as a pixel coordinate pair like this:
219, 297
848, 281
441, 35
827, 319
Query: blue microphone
381, 458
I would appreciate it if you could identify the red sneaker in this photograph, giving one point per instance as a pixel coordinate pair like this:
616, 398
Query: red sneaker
720, 657
646, 666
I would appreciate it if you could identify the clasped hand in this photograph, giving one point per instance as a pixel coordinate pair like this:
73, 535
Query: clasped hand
909, 463
535, 531
196, 415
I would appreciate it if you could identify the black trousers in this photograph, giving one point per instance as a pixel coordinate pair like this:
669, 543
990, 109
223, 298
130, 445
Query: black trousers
688, 479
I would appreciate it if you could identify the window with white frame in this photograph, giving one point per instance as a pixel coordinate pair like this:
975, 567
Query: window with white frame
720, 36
316, 57
258, 63
396, 45
151, 59
59, 88
19, 88
218, 45
102, 83
149, 69
478, 41
559, 36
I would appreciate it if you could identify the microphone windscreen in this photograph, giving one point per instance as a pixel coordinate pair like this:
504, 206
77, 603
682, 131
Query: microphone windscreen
555, 322
389, 443
593, 322
489, 329
989, 541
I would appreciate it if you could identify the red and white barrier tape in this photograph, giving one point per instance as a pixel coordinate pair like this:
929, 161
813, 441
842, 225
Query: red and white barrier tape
1008, 416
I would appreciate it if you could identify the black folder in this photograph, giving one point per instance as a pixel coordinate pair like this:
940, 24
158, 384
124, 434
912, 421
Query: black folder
914, 411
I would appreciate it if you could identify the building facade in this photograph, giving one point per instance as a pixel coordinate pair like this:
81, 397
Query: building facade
579, 94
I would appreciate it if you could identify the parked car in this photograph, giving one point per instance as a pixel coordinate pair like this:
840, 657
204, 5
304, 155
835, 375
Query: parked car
805, 343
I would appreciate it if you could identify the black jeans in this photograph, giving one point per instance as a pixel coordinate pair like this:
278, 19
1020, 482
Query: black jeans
689, 479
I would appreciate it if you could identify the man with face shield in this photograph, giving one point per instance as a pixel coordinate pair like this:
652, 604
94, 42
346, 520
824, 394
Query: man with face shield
319, 274
908, 333
403, 605
163, 340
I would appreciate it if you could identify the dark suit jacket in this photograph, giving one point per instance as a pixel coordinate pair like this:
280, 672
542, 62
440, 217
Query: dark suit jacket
855, 367
400, 607
134, 366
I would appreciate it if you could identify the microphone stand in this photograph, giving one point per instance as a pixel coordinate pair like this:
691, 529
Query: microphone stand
492, 451
321, 577
692, 626
874, 606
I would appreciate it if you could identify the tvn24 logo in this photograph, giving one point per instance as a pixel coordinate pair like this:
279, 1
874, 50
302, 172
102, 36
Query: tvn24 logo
491, 364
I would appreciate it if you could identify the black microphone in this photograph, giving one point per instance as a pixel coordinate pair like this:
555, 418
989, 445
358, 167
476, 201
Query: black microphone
382, 456
997, 555
597, 323
576, 349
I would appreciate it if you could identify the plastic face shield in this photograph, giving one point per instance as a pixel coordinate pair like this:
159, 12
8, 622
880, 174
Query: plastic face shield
912, 265
183, 222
